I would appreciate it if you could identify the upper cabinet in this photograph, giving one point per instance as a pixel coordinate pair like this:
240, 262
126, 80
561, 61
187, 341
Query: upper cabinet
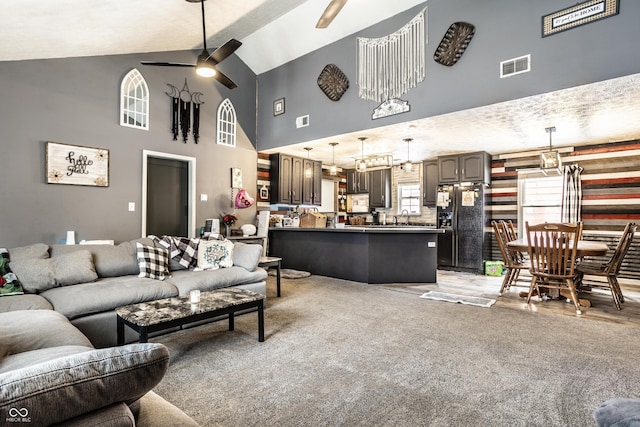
312, 184
468, 167
429, 182
357, 182
286, 179
380, 188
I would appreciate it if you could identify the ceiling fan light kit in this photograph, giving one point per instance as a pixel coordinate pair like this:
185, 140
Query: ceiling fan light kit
206, 63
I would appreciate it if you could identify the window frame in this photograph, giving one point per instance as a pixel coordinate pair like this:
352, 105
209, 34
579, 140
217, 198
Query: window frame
537, 175
416, 187
226, 124
134, 92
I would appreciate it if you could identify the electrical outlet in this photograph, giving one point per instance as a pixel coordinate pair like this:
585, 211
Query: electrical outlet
132, 206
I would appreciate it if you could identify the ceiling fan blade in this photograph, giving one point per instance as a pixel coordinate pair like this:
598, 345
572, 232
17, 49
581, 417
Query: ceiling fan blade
219, 76
225, 50
167, 64
330, 13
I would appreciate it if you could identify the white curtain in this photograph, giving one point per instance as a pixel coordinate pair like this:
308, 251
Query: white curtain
571, 194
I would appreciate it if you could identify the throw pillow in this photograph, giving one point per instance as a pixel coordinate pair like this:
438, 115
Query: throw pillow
36, 275
153, 261
246, 255
215, 254
66, 387
9, 284
74, 267
183, 251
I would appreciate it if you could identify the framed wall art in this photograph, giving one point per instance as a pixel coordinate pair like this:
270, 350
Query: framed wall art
77, 165
278, 107
580, 14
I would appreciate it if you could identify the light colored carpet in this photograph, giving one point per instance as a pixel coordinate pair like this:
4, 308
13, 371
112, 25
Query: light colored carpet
339, 353
462, 299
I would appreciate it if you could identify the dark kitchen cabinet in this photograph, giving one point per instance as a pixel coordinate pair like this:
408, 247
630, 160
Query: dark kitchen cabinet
380, 188
286, 179
429, 182
468, 167
357, 182
312, 185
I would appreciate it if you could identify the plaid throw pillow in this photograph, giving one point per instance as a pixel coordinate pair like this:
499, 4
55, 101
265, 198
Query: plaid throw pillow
9, 284
182, 250
153, 262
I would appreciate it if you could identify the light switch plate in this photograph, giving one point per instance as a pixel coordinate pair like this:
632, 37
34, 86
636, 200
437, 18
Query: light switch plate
204, 197
132, 206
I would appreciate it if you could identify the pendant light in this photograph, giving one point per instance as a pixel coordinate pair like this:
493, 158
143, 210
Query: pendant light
361, 166
550, 160
308, 171
408, 166
333, 170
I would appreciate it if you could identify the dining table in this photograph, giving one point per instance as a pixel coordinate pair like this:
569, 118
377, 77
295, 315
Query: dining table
585, 248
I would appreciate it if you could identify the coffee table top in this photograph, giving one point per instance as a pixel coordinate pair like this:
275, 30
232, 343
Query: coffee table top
167, 309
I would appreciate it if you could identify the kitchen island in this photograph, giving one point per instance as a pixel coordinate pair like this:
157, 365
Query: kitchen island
368, 254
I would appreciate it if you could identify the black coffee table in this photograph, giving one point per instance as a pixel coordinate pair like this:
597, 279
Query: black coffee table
152, 316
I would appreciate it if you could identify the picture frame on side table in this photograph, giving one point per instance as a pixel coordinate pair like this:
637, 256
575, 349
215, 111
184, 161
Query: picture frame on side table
77, 165
278, 107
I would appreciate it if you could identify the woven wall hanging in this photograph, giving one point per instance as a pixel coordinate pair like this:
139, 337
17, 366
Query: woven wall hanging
333, 82
454, 43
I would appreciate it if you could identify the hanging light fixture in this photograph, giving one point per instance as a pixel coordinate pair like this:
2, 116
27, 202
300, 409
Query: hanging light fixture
333, 170
408, 166
308, 171
550, 160
361, 165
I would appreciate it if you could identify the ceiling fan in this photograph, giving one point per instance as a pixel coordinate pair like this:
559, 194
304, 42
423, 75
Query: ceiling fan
330, 13
206, 64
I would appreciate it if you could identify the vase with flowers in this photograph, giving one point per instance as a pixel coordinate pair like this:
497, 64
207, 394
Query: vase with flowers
228, 220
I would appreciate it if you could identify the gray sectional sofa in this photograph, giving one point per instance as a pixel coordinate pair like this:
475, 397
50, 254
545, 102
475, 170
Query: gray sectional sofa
58, 359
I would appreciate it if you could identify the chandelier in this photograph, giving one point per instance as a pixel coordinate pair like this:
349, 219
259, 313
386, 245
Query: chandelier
550, 160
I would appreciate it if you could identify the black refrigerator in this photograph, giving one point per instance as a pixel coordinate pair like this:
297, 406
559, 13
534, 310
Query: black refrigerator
461, 213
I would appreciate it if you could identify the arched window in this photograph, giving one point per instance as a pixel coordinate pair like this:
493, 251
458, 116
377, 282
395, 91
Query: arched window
226, 124
134, 101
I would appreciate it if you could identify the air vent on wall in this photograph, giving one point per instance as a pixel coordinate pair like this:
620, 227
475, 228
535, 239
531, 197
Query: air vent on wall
302, 121
515, 66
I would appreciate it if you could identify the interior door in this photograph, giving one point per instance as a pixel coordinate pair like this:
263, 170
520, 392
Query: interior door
167, 197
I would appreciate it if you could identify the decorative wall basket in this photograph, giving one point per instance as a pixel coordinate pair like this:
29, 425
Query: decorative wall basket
333, 82
454, 43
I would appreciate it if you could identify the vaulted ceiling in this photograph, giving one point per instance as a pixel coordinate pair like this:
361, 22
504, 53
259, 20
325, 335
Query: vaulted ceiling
34, 29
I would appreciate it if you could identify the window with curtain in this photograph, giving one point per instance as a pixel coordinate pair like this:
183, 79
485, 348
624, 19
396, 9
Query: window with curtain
226, 124
134, 101
539, 199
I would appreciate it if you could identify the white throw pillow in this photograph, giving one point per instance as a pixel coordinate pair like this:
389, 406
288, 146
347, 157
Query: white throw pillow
215, 254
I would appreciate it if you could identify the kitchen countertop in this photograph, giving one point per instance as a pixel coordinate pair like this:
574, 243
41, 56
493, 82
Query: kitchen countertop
413, 229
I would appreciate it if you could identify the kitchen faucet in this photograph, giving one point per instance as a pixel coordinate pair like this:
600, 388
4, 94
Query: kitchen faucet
402, 214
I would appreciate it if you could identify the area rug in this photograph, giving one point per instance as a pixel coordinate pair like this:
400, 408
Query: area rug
462, 299
287, 273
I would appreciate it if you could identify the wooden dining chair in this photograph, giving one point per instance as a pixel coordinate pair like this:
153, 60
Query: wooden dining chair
513, 263
611, 268
552, 253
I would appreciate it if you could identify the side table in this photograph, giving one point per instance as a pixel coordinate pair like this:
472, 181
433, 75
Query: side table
272, 261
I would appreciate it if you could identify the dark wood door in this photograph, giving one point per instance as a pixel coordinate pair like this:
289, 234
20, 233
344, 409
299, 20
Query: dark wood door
167, 197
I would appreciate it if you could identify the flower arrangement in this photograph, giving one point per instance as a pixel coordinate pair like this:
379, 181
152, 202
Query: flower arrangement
229, 219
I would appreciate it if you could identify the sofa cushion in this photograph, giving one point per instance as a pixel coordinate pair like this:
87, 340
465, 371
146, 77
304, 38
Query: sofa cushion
106, 294
109, 260
26, 330
37, 250
152, 261
246, 255
28, 358
66, 269
69, 386
24, 302
215, 254
116, 415
207, 280
9, 283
